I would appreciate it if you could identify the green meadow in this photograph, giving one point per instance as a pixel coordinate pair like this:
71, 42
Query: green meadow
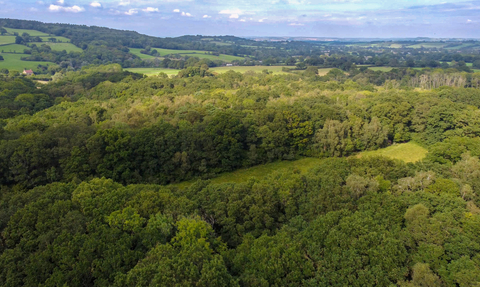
152, 71
407, 152
32, 33
13, 48
7, 40
13, 62
69, 47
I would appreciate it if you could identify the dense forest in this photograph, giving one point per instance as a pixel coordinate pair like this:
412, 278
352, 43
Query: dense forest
90, 164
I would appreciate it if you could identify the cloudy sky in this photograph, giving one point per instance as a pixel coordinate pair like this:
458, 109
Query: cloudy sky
320, 18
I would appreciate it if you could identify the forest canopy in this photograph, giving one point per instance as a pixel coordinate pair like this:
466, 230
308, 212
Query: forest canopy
90, 166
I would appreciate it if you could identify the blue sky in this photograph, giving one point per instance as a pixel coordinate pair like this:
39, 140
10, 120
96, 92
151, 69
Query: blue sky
315, 18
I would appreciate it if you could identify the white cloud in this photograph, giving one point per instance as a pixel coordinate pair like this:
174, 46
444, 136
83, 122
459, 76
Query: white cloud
73, 9
243, 20
206, 16
124, 3
131, 12
96, 4
468, 21
61, 2
176, 10
234, 16
150, 9
296, 24
261, 20
233, 11
33, 9
186, 14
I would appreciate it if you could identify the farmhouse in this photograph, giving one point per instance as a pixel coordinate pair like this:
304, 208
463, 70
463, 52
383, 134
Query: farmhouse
28, 72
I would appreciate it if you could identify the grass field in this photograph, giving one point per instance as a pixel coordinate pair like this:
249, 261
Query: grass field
136, 51
408, 152
13, 48
152, 71
21, 31
261, 171
69, 47
383, 69
7, 40
59, 39
13, 62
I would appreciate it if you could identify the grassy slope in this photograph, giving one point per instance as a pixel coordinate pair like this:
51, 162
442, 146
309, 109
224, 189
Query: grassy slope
136, 51
408, 152
69, 47
13, 48
32, 33
13, 62
152, 71
60, 39
7, 40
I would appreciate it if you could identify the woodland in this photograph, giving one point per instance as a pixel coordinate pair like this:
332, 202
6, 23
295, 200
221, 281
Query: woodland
93, 165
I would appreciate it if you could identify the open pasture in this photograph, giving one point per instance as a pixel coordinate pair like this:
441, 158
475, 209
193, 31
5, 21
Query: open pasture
32, 33
13, 48
69, 47
7, 40
14, 62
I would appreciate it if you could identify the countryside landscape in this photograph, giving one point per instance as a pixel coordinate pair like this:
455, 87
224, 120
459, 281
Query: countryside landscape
266, 155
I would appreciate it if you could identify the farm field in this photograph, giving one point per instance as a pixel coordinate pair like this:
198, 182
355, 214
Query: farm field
152, 71
7, 40
32, 33
383, 69
428, 45
59, 39
408, 152
13, 48
69, 47
13, 62
197, 53
136, 52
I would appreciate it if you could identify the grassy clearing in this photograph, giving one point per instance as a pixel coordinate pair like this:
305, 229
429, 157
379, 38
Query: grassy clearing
136, 52
13, 62
13, 48
59, 39
408, 152
152, 71
7, 40
69, 47
383, 69
21, 31
261, 171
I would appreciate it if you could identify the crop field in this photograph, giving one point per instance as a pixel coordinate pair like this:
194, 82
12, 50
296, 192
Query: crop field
59, 39
408, 152
197, 53
13, 62
13, 48
69, 47
383, 69
21, 31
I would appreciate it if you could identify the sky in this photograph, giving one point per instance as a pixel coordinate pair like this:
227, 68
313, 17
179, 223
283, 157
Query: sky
295, 18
